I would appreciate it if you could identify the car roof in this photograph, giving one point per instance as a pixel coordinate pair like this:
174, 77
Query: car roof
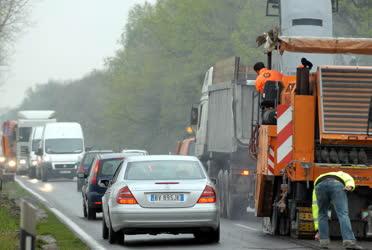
133, 151
162, 157
110, 156
99, 151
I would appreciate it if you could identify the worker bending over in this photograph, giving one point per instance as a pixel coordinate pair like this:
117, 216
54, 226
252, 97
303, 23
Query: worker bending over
264, 75
330, 188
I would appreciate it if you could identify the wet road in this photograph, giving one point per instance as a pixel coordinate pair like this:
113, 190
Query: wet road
243, 234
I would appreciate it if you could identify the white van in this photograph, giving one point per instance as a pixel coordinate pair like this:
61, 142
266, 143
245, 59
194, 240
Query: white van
62, 146
34, 143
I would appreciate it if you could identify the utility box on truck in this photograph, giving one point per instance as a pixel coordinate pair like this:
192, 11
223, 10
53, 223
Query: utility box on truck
226, 124
27, 120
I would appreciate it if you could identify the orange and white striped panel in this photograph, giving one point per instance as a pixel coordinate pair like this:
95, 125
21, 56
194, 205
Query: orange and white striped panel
284, 132
271, 161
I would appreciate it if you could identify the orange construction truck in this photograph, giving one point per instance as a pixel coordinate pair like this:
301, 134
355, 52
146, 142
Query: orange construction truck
322, 123
8, 146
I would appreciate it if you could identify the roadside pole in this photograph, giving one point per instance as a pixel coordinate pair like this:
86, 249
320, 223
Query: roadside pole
28, 226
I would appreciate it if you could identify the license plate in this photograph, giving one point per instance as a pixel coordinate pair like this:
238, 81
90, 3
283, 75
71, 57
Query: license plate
65, 172
167, 197
81, 175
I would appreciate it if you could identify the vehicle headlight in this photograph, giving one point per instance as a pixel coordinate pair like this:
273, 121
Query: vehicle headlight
2, 159
34, 163
22, 161
12, 163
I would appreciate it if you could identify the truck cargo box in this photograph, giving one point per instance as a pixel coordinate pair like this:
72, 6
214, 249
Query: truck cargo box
230, 116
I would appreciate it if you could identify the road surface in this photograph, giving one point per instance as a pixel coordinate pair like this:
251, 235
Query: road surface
235, 235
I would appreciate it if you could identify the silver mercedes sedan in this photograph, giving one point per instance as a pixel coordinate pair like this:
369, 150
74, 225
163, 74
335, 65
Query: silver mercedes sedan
157, 194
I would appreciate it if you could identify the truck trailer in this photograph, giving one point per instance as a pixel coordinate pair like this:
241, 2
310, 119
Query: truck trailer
223, 125
28, 119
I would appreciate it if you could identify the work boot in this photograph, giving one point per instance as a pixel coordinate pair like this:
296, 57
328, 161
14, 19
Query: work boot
324, 244
351, 244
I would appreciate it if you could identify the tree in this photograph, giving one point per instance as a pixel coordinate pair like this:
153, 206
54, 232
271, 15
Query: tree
12, 19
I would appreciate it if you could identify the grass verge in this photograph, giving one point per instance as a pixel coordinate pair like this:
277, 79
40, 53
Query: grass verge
9, 227
50, 226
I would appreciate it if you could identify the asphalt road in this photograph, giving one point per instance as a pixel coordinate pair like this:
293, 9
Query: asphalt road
242, 234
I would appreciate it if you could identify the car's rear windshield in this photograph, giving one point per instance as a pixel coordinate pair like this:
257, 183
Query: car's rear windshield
109, 166
164, 170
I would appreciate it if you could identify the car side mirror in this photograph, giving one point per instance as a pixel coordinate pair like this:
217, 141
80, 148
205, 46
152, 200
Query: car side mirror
194, 116
213, 180
39, 152
104, 183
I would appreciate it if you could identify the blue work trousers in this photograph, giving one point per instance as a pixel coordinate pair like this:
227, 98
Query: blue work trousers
328, 192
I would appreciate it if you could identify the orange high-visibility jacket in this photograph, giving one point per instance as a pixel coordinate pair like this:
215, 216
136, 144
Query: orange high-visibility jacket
265, 75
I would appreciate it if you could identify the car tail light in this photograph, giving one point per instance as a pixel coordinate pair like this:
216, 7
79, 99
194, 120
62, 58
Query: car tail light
125, 196
94, 174
208, 195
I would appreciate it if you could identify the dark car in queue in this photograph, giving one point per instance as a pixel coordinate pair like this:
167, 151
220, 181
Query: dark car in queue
103, 168
85, 165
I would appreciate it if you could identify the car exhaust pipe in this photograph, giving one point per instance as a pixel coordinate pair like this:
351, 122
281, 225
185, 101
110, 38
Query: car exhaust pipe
369, 232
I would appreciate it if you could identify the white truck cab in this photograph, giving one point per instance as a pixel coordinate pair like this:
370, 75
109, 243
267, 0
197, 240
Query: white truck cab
27, 120
61, 148
201, 129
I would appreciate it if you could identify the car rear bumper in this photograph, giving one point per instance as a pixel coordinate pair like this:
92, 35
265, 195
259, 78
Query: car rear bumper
137, 217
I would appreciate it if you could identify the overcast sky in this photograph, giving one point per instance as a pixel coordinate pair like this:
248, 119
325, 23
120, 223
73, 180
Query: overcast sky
67, 39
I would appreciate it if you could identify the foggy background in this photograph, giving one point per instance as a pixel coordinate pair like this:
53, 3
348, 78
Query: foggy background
65, 39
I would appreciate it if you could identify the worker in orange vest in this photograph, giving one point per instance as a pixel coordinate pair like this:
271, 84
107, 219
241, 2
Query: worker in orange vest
264, 75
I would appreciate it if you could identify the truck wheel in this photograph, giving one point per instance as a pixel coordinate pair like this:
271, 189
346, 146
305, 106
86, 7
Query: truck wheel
31, 172
229, 201
39, 174
44, 175
221, 192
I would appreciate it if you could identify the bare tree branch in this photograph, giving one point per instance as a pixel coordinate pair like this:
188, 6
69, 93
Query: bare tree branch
13, 16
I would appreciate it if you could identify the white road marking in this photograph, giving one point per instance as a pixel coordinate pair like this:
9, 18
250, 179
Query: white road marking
92, 243
246, 227
41, 198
